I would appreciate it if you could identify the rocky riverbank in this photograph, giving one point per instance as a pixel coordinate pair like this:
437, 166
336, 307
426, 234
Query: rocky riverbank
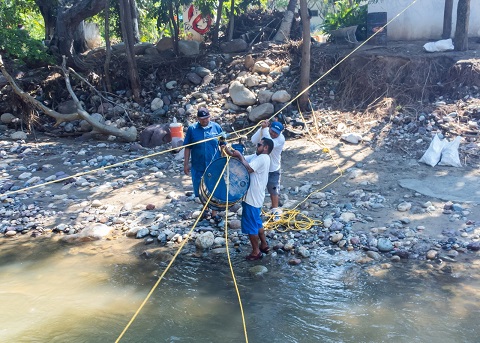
364, 210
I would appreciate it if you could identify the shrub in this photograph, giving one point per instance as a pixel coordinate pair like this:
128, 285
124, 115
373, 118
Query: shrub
17, 44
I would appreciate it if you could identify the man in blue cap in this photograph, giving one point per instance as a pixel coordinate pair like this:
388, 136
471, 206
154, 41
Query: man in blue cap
274, 132
202, 154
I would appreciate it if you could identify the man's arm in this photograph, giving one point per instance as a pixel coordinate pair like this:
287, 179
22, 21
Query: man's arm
237, 154
257, 136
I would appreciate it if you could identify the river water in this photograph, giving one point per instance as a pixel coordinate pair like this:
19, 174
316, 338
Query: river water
52, 292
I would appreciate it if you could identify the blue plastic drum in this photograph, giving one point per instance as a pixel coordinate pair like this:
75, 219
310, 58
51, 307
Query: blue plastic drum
237, 176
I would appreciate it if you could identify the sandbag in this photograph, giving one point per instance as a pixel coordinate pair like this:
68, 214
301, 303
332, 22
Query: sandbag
434, 152
450, 155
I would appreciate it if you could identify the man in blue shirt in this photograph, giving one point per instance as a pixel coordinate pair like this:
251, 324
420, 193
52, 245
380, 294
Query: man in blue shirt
202, 154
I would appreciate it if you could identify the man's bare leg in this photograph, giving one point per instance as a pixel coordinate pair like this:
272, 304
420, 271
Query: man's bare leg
254, 243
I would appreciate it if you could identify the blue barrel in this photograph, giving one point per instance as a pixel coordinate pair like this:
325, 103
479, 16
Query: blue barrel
238, 177
375, 22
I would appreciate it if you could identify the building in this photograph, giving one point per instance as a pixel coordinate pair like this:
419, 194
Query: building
423, 20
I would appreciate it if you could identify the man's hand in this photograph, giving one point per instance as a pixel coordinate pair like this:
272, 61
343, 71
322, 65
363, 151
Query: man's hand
265, 124
237, 154
186, 168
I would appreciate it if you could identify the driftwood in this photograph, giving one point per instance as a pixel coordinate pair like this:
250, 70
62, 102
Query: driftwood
129, 135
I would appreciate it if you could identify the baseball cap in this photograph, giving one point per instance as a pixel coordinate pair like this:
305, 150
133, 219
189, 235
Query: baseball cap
276, 127
203, 113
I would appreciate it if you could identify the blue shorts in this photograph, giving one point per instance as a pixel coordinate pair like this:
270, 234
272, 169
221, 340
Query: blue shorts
251, 220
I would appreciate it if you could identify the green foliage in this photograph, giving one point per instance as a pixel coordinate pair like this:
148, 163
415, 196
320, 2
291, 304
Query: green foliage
22, 12
17, 44
344, 14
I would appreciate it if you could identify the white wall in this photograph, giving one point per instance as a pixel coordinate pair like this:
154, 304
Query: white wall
423, 20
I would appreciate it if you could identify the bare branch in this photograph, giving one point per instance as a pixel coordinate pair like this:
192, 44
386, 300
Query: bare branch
129, 135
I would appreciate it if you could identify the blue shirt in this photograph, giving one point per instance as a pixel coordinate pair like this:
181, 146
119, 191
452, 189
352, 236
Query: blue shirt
202, 154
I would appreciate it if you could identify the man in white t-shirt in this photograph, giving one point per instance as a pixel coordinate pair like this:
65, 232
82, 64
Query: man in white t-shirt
273, 132
258, 166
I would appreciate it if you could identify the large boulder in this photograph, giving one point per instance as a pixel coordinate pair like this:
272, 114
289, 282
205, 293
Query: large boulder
241, 95
281, 96
155, 135
166, 43
264, 111
188, 47
235, 45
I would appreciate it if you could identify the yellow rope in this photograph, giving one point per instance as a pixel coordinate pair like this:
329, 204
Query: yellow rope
230, 261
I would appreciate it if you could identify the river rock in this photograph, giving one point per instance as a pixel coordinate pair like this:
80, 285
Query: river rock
142, 233
235, 224
474, 246
336, 237
384, 245
205, 240
235, 45
202, 71
249, 62
189, 47
171, 85
374, 255
353, 138
241, 95
347, 217
10, 233
7, 118
258, 270
18, 135
264, 111
261, 67
281, 96
156, 104
264, 96
194, 78
404, 206
303, 252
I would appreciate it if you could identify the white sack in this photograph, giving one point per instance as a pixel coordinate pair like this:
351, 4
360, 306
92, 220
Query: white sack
450, 153
441, 45
434, 152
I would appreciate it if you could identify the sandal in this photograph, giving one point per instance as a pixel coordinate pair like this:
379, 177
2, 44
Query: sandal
265, 250
217, 219
254, 257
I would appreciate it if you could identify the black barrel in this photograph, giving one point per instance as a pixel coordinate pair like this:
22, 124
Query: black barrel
375, 22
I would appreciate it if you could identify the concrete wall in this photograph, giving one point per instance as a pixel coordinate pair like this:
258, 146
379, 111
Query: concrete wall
423, 20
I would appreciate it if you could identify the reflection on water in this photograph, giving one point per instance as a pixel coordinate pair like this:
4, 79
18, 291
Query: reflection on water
52, 292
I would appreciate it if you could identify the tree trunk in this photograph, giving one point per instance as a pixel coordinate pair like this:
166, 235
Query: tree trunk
461, 30
172, 13
283, 32
305, 67
231, 22
68, 19
216, 28
447, 19
135, 20
108, 49
48, 9
79, 41
129, 40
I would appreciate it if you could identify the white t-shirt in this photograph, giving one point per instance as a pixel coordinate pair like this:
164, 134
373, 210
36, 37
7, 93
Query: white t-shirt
258, 179
278, 143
